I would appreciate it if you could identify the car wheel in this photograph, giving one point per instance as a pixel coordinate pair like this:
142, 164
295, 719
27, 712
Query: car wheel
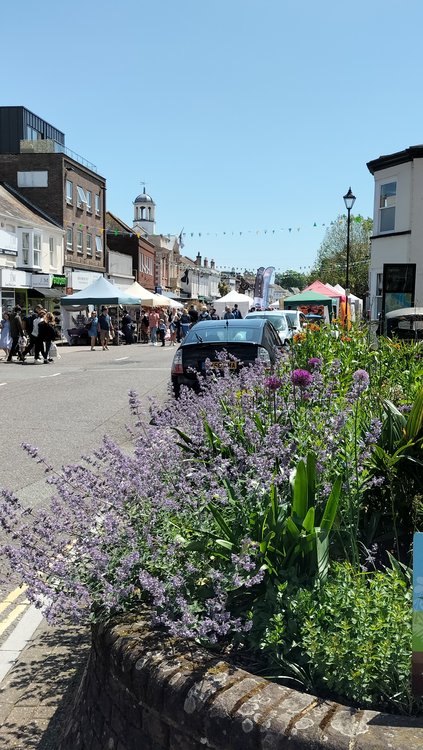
176, 388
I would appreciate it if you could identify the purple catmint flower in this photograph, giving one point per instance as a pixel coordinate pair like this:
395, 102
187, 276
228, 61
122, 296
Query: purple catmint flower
301, 378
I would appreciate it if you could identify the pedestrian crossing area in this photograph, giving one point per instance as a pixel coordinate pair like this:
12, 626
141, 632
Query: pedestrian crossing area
12, 608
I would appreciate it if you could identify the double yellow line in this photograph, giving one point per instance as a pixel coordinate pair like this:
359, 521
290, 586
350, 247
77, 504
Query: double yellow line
17, 610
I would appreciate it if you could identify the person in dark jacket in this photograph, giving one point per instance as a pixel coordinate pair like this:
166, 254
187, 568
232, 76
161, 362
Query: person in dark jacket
16, 330
127, 327
46, 335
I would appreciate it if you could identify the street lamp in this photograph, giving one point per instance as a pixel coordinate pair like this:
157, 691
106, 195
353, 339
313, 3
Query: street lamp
349, 200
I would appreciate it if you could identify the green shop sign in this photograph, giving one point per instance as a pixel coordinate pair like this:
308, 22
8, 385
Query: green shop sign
59, 281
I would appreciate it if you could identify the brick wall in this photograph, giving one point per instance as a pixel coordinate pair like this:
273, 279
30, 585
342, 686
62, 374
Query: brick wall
142, 691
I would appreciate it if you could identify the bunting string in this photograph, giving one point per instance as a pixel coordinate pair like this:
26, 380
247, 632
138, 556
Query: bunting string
185, 235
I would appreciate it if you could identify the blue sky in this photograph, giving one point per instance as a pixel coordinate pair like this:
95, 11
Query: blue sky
245, 118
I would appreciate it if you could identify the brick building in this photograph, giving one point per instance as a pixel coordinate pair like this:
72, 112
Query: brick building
35, 160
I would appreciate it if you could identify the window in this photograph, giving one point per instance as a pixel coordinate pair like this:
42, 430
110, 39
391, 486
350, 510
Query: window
25, 248
89, 196
33, 179
146, 264
32, 134
98, 246
89, 240
69, 192
69, 240
97, 204
52, 252
388, 194
80, 196
79, 242
37, 250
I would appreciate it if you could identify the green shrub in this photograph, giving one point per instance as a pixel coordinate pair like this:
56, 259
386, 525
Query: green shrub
356, 633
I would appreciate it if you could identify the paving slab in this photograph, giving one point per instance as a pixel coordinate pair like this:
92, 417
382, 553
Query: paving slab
36, 694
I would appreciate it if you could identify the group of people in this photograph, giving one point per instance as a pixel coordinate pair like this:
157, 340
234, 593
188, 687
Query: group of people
100, 326
158, 326
21, 336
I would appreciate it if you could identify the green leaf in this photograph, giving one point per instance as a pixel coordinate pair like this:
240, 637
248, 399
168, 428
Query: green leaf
300, 491
414, 426
308, 523
218, 517
331, 508
311, 477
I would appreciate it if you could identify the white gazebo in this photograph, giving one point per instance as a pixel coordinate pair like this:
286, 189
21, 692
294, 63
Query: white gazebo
243, 301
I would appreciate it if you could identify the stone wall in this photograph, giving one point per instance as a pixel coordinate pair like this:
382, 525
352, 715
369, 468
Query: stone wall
143, 691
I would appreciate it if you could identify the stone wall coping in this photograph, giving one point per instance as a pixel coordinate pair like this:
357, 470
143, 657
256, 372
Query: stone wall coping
179, 698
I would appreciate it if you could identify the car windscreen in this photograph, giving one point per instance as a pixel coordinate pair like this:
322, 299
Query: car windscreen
278, 321
211, 334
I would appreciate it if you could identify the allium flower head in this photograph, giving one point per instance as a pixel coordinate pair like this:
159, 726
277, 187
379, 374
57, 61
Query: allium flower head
315, 363
301, 378
273, 383
362, 378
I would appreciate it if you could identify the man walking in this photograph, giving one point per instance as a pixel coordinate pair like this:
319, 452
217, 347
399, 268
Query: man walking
236, 312
16, 330
153, 322
105, 327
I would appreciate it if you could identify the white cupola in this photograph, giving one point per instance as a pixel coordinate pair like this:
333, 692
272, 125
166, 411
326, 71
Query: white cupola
144, 213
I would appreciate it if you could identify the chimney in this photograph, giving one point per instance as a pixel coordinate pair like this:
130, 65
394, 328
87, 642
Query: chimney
212, 265
206, 263
198, 260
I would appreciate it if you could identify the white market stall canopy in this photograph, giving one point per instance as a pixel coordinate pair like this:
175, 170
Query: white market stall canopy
243, 301
100, 292
150, 299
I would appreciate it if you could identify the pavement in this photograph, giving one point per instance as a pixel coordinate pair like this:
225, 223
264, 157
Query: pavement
42, 669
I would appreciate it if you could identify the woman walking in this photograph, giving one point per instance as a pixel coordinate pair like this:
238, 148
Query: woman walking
46, 334
5, 338
92, 327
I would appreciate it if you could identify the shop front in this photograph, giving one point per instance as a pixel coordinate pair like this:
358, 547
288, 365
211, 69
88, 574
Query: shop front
74, 318
14, 288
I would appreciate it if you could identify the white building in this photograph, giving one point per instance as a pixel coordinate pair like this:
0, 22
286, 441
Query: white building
396, 267
199, 279
31, 254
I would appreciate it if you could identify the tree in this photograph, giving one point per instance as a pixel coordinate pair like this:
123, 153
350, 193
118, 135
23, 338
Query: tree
290, 278
223, 288
331, 263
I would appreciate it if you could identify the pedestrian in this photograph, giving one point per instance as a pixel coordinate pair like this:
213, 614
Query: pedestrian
127, 327
204, 314
162, 330
28, 324
105, 328
185, 323
213, 314
46, 334
144, 328
193, 314
35, 336
178, 330
16, 330
236, 312
228, 313
153, 322
5, 337
22, 345
92, 328
172, 328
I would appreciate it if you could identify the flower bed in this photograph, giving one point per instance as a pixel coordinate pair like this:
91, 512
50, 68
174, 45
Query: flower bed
268, 516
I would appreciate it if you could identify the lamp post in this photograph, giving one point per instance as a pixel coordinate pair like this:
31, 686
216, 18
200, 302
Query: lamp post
349, 200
